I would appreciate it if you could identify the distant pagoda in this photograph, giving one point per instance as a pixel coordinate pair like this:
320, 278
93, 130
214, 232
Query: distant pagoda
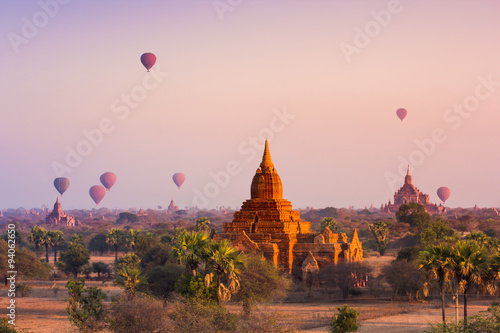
409, 193
172, 207
58, 216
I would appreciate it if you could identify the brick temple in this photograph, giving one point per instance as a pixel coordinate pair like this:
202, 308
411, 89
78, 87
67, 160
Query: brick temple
58, 216
266, 223
409, 193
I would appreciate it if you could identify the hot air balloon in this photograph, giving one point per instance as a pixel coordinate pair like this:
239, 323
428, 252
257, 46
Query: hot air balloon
108, 179
401, 113
97, 192
179, 179
148, 60
443, 193
61, 184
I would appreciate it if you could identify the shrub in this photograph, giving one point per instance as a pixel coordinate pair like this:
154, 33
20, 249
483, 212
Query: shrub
85, 307
268, 322
196, 316
346, 320
5, 327
194, 287
140, 314
23, 289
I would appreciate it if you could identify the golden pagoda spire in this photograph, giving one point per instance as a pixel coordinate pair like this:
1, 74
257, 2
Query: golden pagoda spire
266, 159
408, 172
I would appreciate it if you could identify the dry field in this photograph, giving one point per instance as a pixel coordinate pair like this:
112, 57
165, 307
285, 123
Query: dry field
45, 312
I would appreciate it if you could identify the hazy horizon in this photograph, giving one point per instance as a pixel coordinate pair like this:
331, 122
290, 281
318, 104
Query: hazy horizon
322, 81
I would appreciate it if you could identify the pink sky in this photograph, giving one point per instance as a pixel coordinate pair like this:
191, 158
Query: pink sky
219, 82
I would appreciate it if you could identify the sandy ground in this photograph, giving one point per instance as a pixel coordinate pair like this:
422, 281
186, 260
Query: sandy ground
415, 321
46, 315
45, 312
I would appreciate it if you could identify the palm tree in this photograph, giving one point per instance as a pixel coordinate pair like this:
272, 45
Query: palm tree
203, 225
39, 236
223, 260
328, 222
115, 238
380, 231
468, 265
438, 259
131, 238
190, 249
56, 238
130, 278
495, 269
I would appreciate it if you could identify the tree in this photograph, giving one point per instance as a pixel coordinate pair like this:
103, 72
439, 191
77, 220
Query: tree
203, 225
85, 307
131, 238
468, 264
56, 238
100, 267
162, 279
130, 278
437, 260
115, 237
190, 249
74, 258
490, 244
260, 281
404, 277
438, 232
98, 244
156, 256
17, 237
494, 264
77, 238
130, 260
127, 217
415, 215
328, 212
223, 261
346, 320
27, 263
144, 242
344, 275
328, 222
380, 231
38, 236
